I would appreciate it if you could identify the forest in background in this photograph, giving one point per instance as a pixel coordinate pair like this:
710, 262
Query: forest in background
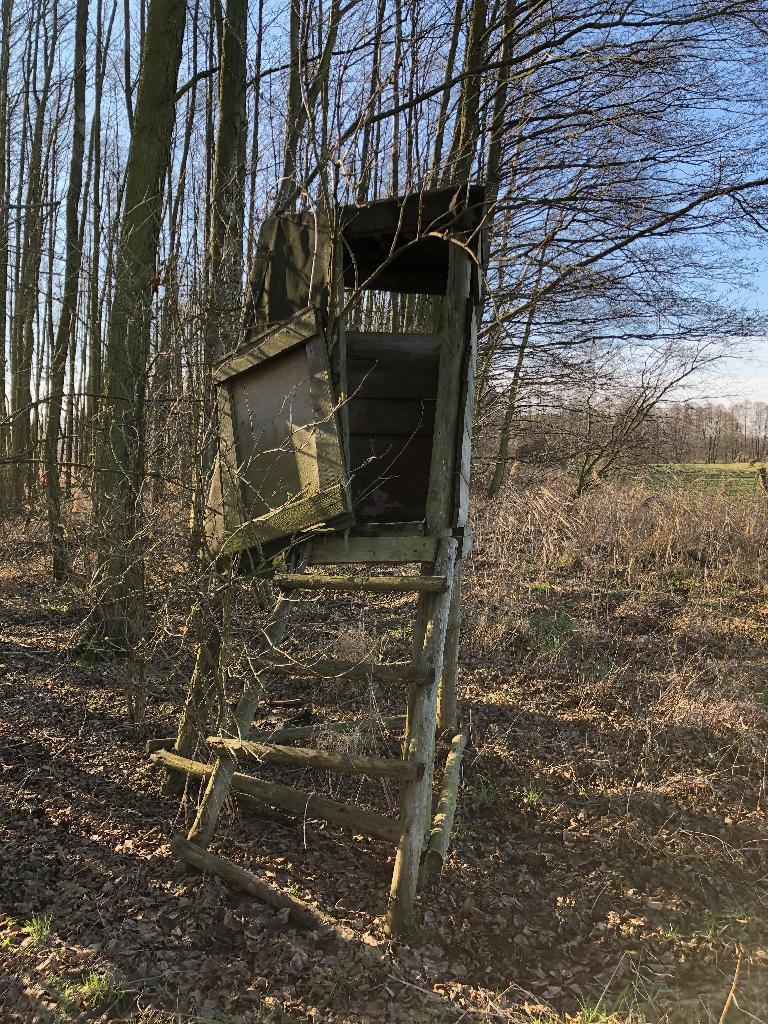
622, 148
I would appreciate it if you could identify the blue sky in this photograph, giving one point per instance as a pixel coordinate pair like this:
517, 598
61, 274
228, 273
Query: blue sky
746, 376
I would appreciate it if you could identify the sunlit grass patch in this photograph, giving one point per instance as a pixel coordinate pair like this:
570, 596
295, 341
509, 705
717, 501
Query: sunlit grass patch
728, 922
38, 928
95, 991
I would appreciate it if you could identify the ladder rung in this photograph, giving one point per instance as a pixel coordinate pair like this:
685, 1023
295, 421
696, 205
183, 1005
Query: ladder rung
289, 799
331, 668
370, 584
329, 760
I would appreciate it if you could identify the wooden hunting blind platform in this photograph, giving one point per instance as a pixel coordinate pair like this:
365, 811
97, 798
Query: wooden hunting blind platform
351, 448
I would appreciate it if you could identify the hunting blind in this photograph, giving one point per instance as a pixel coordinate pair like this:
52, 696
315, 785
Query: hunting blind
342, 446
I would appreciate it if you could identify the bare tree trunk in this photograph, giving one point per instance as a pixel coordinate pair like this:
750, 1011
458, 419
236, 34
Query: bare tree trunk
94, 284
221, 332
65, 330
467, 127
222, 315
366, 156
120, 454
22, 343
5, 213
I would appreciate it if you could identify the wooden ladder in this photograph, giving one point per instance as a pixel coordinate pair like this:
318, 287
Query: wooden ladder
414, 770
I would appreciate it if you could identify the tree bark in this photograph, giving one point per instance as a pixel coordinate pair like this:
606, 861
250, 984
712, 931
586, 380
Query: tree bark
120, 454
65, 329
22, 341
5, 53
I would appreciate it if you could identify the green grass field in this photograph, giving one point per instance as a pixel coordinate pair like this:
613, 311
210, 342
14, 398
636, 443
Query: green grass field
735, 478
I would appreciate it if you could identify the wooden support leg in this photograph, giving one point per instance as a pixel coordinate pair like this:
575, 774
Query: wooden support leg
220, 781
446, 701
194, 718
420, 745
440, 837
209, 627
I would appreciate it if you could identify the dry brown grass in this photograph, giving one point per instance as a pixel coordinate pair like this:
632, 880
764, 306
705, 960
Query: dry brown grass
617, 677
609, 858
619, 537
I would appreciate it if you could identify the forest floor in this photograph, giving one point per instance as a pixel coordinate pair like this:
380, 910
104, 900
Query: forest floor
610, 862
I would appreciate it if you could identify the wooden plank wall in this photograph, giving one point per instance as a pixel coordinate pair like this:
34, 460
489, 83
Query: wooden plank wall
392, 381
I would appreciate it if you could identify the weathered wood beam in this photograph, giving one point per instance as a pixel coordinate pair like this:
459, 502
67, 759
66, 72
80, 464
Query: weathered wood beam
456, 335
368, 584
419, 745
447, 697
289, 799
340, 550
300, 912
159, 743
442, 826
327, 760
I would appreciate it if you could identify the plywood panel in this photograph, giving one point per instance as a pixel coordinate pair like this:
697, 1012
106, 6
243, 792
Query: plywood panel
274, 436
392, 382
406, 417
392, 366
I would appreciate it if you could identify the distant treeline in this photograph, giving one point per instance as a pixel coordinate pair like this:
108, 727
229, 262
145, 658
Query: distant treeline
708, 432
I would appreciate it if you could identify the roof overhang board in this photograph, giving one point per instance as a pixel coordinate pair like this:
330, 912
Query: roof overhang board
401, 244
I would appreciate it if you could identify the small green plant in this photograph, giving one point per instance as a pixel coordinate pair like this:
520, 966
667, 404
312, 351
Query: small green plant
38, 928
94, 990
532, 794
341, 982
553, 630
419, 934
616, 1010
726, 922
484, 793
99, 988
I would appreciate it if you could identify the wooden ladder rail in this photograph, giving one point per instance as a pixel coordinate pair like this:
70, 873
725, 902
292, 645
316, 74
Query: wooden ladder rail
419, 744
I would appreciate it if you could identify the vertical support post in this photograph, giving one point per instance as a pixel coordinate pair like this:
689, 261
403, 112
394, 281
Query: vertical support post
419, 745
448, 497
442, 491
447, 693
220, 781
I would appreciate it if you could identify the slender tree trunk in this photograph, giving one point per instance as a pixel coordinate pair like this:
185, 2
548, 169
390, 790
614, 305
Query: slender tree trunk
222, 322
93, 386
5, 50
366, 156
255, 132
65, 330
27, 294
120, 455
467, 127
222, 314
